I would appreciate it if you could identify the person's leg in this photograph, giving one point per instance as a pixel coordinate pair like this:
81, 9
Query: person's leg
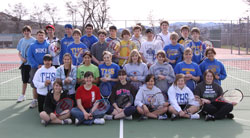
41, 100
223, 110
126, 112
44, 116
78, 114
33, 104
160, 111
209, 109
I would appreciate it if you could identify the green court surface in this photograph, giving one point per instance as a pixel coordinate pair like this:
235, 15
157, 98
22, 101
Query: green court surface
17, 120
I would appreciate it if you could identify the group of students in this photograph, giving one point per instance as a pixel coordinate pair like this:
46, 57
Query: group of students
174, 69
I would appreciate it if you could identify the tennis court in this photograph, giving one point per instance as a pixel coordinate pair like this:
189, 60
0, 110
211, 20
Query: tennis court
17, 120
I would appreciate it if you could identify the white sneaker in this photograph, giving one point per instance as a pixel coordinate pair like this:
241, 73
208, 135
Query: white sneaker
108, 117
99, 121
195, 116
162, 117
67, 121
129, 117
33, 103
76, 121
21, 98
43, 122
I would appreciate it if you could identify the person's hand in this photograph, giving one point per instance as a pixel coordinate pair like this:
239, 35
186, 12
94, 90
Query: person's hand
172, 61
87, 116
133, 78
188, 76
205, 101
104, 79
101, 62
234, 103
181, 113
23, 60
39, 66
47, 82
217, 76
145, 109
161, 77
119, 110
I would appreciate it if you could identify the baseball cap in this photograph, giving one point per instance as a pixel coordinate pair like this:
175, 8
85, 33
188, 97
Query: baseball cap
50, 26
149, 30
68, 26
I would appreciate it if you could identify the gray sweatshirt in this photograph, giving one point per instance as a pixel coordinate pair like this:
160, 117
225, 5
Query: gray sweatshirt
144, 94
166, 70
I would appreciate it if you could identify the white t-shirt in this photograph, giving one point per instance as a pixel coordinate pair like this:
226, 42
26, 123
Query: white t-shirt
166, 38
149, 50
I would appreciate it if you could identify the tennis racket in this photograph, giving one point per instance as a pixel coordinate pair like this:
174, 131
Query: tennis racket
54, 48
100, 107
124, 100
79, 55
64, 106
154, 101
231, 96
193, 102
105, 90
159, 40
208, 44
112, 45
137, 43
186, 43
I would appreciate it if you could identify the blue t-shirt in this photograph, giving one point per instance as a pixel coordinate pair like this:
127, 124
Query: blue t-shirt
198, 49
23, 46
174, 53
65, 42
76, 51
184, 68
109, 71
89, 41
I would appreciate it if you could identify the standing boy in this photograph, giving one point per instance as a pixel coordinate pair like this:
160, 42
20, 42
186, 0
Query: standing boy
89, 39
66, 41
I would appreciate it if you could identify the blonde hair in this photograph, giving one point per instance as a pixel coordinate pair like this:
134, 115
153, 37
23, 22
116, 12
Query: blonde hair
177, 77
163, 54
174, 35
68, 55
188, 50
132, 53
77, 31
106, 53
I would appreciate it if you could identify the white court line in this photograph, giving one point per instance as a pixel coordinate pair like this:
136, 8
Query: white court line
121, 128
238, 79
9, 80
242, 119
13, 115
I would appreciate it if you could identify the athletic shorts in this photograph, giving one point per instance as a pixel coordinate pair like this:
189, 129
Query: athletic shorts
25, 70
32, 74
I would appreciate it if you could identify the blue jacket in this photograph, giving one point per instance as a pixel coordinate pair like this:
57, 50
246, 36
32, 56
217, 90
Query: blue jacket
65, 42
89, 41
174, 53
36, 52
61, 75
216, 66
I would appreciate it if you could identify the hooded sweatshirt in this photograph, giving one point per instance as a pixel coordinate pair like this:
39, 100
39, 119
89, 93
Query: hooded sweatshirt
65, 42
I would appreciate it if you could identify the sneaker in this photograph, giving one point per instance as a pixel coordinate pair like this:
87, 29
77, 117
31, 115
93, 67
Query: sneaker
77, 122
129, 117
229, 116
44, 122
108, 117
195, 116
162, 117
21, 98
99, 121
33, 103
142, 117
67, 121
209, 117
174, 116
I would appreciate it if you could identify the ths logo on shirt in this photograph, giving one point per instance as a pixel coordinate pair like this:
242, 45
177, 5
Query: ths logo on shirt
48, 76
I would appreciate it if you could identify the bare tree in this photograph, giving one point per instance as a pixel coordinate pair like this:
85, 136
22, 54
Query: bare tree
151, 19
52, 13
38, 16
18, 11
101, 17
72, 11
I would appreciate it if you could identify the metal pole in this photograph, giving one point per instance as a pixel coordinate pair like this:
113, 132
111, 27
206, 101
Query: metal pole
231, 31
239, 38
247, 35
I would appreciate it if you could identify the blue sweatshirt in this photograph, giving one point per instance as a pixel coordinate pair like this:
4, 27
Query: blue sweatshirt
74, 49
198, 49
174, 52
65, 42
216, 66
36, 52
109, 71
89, 41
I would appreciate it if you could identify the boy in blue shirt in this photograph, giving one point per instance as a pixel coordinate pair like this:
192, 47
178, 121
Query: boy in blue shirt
66, 41
89, 39
22, 48
174, 51
36, 52
77, 48
197, 46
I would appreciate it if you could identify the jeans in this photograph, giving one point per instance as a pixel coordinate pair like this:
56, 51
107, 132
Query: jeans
77, 113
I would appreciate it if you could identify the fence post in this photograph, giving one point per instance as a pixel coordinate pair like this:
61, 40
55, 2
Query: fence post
231, 31
247, 35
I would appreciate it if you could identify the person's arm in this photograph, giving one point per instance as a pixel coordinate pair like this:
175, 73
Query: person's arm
48, 105
37, 81
31, 58
73, 76
139, 98
171, 76
144, 74
223, 73
172, 99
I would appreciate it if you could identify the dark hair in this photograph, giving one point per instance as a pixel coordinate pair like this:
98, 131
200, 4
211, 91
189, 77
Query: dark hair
148, 77
40, 32
101, 31
122, 72
47, 57
164, 21
26, 28
87, 53
125, 32
88, 74
177, 77
112, 27
210, 49
58, 81
162, 54
206, 72
89, 25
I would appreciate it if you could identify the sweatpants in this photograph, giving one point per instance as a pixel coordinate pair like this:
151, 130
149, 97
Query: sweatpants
218, 109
